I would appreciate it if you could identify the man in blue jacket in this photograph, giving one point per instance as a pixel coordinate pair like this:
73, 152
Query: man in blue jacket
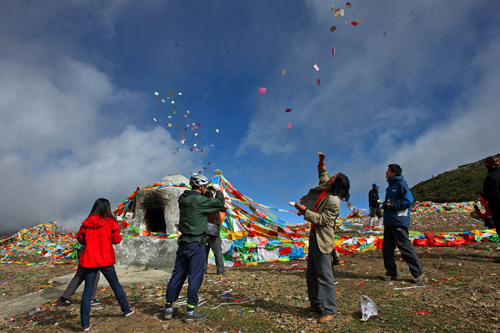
397, 204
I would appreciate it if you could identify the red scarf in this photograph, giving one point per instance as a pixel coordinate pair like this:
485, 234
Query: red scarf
321, 197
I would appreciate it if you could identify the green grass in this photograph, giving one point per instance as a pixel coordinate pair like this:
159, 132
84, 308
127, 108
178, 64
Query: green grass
462, 184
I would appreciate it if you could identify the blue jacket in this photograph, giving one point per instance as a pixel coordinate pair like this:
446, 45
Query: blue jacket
398, 214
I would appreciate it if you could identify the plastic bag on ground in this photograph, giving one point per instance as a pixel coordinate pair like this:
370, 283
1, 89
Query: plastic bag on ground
368, 308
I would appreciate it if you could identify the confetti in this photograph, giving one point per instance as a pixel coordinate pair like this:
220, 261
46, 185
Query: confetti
288, 110
217, 130
289, 126
318, 82
156, 93
316, 67
348, 4
333, 51
354, 23
332, 29
262, 91
283, 71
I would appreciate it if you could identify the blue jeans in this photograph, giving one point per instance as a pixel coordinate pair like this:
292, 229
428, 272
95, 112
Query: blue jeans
190, 263
90, 276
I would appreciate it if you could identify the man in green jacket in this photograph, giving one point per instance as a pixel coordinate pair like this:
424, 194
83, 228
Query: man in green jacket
190, 256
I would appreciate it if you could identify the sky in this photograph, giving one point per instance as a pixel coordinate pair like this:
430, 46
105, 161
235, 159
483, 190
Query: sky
88, 90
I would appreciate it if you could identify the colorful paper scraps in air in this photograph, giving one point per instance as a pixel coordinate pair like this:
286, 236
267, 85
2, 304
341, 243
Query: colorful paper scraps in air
318, 81
283, 71
316, 67
332, 29
333, 51
348, 5
355, 23
175, 113
288, 110
289, 126
262, 91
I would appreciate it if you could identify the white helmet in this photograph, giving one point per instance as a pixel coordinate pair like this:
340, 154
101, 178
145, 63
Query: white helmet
198, 181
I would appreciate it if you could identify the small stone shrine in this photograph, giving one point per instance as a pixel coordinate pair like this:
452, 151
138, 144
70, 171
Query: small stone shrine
156, 210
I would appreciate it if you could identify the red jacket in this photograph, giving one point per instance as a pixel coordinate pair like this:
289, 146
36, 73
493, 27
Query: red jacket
98, 235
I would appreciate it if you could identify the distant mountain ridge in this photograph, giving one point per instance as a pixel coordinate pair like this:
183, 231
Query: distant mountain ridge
462, 184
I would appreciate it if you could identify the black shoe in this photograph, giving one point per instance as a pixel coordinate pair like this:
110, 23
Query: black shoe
169, 313
64, 301
336, 263
95, 302
192, 316
389, 278
225, 272
131, 312
418, 280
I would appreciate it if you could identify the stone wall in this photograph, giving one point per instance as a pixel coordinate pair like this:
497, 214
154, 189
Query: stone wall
156, 210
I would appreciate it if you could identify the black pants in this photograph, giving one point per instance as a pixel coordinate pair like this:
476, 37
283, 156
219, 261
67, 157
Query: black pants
375, 211
399, 236
496, 219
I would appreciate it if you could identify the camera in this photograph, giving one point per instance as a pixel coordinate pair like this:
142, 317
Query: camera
387, 203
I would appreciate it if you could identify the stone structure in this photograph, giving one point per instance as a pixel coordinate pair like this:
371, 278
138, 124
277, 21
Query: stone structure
156, 210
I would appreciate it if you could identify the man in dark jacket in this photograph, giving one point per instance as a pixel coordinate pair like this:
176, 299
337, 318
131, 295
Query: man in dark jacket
374, 204
397, 204
190, 256
491, 190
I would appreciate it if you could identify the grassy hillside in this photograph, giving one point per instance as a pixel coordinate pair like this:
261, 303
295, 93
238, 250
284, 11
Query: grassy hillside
462, 184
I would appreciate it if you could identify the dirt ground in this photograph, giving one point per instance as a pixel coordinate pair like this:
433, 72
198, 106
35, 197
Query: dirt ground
462, 294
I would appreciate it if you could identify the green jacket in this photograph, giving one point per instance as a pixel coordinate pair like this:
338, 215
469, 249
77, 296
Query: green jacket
194, 209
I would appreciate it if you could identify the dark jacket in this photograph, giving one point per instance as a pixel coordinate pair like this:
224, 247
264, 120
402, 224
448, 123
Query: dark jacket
194, 209
98, 235
373, 198
398, 214
491, 191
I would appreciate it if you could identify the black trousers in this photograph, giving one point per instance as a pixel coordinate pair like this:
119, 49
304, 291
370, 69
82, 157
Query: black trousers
399, 236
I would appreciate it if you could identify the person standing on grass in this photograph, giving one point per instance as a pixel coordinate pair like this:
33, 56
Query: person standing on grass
326, 207
397, 204
75, 282
98, 233
374, 204
214, 241
491, 191
190, 256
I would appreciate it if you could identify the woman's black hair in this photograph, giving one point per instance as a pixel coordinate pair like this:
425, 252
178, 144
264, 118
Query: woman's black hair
341, 187
102, 207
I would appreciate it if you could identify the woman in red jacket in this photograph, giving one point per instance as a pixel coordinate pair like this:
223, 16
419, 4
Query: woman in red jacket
98, 233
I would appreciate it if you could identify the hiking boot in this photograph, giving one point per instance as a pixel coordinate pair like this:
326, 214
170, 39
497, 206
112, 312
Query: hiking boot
327, 318
418, 280
131, 312
389, 278
63, 301
169, 313
313, 309
192, 316
95, 302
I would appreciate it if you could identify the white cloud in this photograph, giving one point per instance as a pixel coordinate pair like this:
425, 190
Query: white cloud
57, 156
